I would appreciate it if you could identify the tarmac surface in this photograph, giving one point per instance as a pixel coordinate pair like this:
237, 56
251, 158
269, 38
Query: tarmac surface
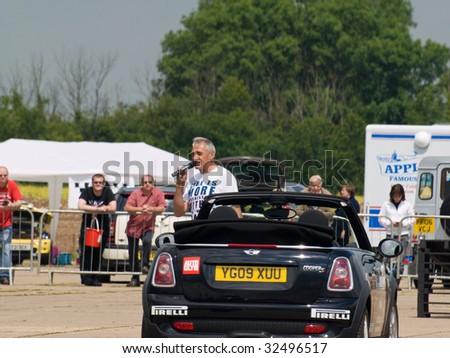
31, 307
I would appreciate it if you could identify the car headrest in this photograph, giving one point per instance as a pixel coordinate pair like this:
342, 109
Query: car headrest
313, 217
223, 213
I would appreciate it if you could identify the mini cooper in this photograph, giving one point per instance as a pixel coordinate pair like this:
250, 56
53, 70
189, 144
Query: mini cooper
284, 271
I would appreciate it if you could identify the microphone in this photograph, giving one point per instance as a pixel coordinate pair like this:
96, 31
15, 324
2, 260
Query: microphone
184, 168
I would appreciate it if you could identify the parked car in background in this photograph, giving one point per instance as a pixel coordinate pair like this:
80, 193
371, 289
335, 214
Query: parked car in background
255, 173
26, 230
294, 187
115, 254
278, 274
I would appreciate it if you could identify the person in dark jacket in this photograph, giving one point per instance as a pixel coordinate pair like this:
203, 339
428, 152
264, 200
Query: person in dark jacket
97, 201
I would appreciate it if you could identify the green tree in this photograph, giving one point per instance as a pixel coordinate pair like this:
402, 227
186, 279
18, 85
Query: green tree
314, 71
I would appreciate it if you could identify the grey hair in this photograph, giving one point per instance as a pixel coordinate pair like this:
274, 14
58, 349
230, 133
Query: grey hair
208, 144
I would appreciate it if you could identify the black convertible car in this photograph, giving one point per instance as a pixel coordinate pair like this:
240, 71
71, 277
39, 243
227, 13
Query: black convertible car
300, 265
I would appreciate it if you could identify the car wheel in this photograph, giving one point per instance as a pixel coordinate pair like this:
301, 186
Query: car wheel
363, 330
392, 328
445, 211
149, 331
45, 258
144, 330
105, 278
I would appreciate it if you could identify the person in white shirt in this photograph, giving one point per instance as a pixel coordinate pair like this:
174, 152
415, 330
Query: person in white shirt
394, 210
204, 179
396, 216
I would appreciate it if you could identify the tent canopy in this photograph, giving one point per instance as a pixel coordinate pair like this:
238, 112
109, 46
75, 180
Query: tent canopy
55, 162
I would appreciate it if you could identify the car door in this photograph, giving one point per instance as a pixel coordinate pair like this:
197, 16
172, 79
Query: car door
377, 277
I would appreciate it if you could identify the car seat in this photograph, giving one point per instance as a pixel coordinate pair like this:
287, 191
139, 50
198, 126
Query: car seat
223, 213
313, 217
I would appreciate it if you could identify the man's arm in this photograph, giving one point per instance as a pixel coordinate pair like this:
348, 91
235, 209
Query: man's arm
83, 205
180, 207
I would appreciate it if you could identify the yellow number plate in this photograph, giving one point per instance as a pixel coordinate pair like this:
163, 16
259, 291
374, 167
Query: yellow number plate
424, 225
251, 274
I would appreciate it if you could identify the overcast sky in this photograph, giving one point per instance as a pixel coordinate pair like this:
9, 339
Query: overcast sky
131, 29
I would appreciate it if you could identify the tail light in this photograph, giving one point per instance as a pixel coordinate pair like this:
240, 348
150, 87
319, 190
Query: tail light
341, 278
315, 329
183, 326
163, 273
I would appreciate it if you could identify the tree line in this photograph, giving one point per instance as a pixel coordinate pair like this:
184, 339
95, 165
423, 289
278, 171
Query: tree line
294, 80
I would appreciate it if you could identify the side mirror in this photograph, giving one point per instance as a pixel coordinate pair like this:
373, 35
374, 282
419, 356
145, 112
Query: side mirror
164, 239
390, 248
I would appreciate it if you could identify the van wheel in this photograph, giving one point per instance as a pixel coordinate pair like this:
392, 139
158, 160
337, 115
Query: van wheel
445, 211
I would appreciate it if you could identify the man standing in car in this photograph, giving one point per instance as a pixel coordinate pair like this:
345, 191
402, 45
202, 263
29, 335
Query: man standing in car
206, 179
10, 199
144, 204
315, 187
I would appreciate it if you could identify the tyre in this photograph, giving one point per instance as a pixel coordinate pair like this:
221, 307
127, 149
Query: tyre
45, 258
149, 330
392, 323
105, 278
445, 211
363, 330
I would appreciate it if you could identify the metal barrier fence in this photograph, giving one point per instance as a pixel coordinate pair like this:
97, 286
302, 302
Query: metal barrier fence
100, 250
423, 225
25, 241
32, 247
31, 244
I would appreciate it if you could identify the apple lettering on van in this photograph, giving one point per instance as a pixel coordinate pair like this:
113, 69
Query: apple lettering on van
398, 164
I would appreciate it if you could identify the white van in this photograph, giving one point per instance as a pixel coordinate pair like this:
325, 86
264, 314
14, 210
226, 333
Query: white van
433, 198
393, 154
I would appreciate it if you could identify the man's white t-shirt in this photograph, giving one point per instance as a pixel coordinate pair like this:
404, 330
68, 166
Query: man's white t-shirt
199, 186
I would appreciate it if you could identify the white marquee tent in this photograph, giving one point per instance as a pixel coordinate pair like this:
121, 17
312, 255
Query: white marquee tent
56, 162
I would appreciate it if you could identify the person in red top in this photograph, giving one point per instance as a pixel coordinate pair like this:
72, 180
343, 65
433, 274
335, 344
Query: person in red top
143, 204
10, 199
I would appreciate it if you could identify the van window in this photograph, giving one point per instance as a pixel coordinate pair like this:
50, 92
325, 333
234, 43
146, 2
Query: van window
445, 183
426, 186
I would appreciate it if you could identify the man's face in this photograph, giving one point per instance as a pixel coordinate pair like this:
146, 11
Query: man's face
201, 155
315, 186
3, 177
147, 183
98, 183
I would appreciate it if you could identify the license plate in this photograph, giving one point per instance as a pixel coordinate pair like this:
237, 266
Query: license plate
251, 274
20, 247
424, 225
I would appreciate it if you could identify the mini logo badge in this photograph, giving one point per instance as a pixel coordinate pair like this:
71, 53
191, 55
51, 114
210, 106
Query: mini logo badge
191, 265
252, 252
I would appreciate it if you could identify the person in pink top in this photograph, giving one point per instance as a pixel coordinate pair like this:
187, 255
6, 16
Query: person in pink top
10, 199
143, 204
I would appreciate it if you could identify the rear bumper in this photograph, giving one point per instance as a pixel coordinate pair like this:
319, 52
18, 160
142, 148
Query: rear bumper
250, 320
